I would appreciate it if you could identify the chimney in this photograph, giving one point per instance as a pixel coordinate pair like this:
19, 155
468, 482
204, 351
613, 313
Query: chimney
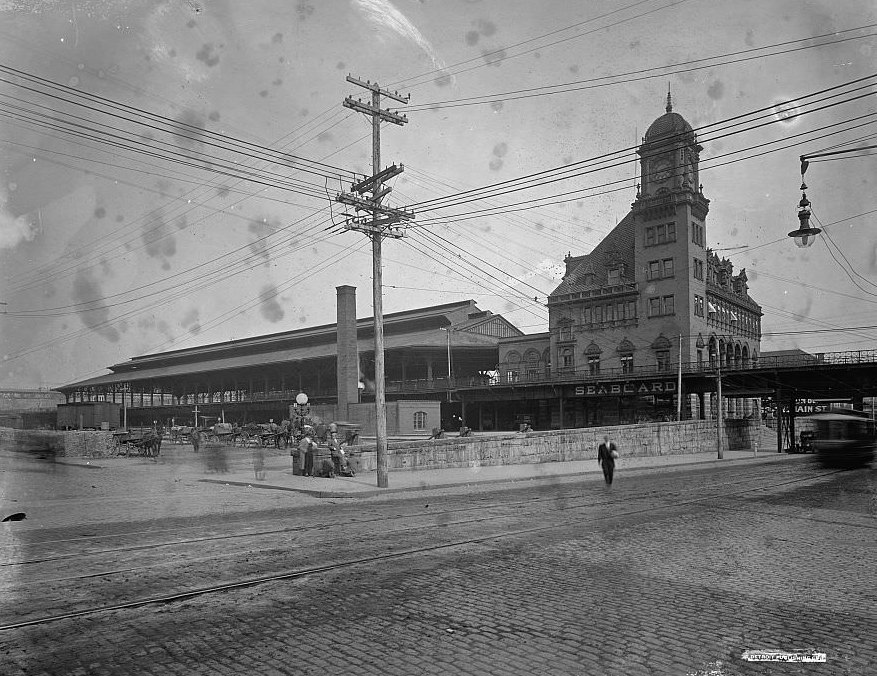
348, 351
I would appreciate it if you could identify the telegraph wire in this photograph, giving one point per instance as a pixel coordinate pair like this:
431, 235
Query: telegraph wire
40, 272
175, 125
624, 183
77, 264
109, 322
738, 120
447, 70
567, 87
191, 158
255, 255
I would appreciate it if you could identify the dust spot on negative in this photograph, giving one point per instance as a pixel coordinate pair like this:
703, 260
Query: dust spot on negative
442, 80
497, 106
580, 204
486, 27
539, 226
120, 218
493, 57
100, 212
716, 90
303, 319
207, 54
567, 160
495, 164
634, 44
734, 232
191, 23
277, 82
340, 65
277, 38
752, 275
304, 10
281, 59
749, 40
214, 116
574, 68
324, 137
472, 38
263, 93
222, 191
537, 55
501, 149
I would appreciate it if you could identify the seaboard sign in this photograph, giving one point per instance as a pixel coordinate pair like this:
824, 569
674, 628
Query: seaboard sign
628, 388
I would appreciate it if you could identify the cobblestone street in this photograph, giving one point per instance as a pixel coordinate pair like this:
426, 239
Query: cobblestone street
677, 572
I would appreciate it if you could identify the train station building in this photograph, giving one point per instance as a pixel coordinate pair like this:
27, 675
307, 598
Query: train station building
635, 328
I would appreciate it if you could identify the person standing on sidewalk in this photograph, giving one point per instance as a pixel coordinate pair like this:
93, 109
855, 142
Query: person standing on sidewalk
606, 454
306, 453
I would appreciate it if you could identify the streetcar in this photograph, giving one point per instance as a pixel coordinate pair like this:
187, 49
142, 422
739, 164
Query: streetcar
844, 439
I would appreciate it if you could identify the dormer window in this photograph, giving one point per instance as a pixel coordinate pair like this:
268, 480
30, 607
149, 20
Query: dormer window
614, 276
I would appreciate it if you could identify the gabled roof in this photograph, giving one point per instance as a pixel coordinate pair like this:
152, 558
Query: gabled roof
616, 247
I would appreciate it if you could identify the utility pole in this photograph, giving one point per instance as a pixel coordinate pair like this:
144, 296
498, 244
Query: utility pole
380, 224
719, 413
679, 383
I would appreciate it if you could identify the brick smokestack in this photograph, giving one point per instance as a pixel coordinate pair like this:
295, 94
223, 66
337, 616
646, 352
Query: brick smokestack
348, 351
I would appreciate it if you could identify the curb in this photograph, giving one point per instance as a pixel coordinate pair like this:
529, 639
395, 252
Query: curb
324, 494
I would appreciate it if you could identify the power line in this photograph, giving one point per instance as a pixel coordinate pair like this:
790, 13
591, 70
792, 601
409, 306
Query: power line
175, 126
595, 82
574, 170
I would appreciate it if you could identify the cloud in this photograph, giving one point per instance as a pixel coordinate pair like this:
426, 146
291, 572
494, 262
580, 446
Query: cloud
383, 15
13, 229
87, 290
269, 305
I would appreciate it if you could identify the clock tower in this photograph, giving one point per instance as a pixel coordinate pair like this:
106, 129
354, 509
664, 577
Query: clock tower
670, 231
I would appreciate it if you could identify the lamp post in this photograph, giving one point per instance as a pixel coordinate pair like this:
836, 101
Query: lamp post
301, 408
805, 235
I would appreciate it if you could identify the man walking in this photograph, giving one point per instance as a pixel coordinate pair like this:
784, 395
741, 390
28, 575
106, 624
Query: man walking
606, 454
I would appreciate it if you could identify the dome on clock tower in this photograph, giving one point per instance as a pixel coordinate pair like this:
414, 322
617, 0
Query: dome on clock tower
669, 125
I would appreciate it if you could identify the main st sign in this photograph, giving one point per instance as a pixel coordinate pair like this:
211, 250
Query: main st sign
628, 387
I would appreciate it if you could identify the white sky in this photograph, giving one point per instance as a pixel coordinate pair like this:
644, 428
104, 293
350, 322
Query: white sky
83, 222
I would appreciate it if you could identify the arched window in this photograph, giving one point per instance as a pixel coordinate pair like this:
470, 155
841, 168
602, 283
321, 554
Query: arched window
567, 358
420, 420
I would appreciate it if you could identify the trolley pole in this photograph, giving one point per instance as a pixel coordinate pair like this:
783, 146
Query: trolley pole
379, 225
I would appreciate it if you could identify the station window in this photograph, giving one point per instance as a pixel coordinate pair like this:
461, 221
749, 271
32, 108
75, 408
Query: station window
615, 276
420, 420
594, 365
668, 267
660, 234
697, 268
662, 305
566, 358
627, 363
698, 306
663, 360
697, 234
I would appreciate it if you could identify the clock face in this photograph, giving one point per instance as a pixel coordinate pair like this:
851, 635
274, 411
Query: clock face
662, 172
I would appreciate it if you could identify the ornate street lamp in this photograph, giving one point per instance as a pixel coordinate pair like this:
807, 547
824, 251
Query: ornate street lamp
805, 235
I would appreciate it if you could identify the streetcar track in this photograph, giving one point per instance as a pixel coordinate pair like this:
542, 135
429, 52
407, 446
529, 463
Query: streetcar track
314, 527
386, 556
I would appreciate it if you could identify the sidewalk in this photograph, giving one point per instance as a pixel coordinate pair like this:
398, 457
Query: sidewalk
279, 477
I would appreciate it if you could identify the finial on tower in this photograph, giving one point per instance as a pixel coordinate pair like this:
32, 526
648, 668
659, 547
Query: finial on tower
669, 100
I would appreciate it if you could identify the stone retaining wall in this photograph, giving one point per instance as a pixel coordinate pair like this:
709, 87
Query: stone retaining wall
649, 439
79, 444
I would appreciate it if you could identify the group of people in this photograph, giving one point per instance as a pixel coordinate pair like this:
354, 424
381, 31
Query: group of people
306, 454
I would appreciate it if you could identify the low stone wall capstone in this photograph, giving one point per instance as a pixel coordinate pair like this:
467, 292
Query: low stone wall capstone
78, 444
647, 439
